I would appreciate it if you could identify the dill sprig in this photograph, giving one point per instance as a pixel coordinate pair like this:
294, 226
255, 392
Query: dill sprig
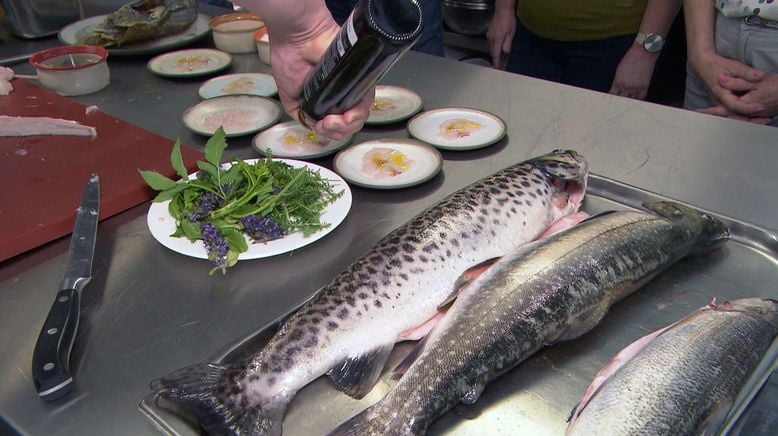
224, 204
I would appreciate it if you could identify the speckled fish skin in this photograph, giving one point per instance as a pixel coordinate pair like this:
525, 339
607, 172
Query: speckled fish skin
684, 380
351, 325
548, 291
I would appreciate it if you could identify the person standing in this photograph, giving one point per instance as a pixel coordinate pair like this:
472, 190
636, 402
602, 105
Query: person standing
605, 46
733, 59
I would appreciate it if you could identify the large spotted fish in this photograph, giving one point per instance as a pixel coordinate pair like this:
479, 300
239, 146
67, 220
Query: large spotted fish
545, 292
349, 328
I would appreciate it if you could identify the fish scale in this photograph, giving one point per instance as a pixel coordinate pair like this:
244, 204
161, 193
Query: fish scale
349, 328
551, 290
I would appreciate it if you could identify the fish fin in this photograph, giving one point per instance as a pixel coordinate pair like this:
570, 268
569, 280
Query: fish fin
356, 426
408, 360
580, 324
205, 390
466, 278
610, 368
357, 375
474, 393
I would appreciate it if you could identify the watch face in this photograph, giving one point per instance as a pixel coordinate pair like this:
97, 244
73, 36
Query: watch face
653, 42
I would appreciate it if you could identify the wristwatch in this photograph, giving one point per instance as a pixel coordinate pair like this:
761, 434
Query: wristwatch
651, 42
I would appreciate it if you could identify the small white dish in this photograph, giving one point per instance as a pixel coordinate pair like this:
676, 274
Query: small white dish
356, 163
457, 128
263, 45
393, 104
292, 139
242, 83
237, 114
189, 63
161, 224
72, 69
234, 33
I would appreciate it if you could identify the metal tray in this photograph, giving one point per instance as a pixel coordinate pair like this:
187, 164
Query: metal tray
537, 396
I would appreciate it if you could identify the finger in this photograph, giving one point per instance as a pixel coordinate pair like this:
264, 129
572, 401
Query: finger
717, 110
737, 69
738, 105
735, 83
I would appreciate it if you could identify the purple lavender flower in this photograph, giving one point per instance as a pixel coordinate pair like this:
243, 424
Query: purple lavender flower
261, 228
208, 202
215, 244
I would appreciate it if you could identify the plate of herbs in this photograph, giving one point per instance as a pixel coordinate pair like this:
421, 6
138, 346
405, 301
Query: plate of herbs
244, 209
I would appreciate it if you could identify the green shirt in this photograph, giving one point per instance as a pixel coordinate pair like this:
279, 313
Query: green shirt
580, 20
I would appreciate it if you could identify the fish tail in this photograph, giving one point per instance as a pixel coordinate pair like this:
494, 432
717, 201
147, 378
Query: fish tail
212, 394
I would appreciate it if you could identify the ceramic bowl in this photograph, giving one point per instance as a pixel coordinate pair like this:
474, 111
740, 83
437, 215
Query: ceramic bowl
263, 45
234, 33
72, 69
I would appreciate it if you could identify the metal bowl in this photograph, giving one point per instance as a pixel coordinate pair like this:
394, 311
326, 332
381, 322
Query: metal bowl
468, 17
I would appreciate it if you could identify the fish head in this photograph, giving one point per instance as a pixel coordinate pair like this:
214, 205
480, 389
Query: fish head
708, 231
766, 308
568, 173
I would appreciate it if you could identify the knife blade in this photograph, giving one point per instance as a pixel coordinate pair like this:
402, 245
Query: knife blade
51, 356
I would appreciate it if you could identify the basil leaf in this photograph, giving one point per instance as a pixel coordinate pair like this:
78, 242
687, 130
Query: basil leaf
215, 147
157, 181
177, 160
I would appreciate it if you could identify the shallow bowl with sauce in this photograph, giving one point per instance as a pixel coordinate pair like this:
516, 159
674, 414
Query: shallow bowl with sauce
72, 69
263, 45
234, 33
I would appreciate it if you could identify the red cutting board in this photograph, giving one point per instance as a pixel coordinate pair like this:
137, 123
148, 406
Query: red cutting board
42, 178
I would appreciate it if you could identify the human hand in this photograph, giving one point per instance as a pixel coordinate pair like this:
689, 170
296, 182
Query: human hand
500, 34
712, 68
633, 75
763, 92
300, 32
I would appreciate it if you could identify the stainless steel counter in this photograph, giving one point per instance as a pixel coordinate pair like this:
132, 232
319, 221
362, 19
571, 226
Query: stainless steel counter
148, 310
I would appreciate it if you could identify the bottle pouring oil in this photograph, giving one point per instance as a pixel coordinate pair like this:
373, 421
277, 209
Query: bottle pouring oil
371, 40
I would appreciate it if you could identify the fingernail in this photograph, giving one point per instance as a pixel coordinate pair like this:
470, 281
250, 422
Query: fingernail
723, 78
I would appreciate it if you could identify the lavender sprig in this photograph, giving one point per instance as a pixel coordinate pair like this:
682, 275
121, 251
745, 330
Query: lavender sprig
261, 228
215, 245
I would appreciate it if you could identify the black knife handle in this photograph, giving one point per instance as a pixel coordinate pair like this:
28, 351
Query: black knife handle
50, 359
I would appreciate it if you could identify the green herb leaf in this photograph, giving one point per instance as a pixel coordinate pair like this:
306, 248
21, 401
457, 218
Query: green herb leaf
177, 160
207, 167
157, 181
215, 147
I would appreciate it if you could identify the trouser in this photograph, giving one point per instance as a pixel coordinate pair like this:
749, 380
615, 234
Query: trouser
750, 44
586, 64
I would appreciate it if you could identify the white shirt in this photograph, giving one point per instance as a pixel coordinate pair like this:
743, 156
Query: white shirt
767, 9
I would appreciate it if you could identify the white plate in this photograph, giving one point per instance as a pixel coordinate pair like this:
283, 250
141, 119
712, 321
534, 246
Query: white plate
162, 224
71, 33
290, 139
237, 114
192, 62
393, 104
242, 83
478, 128
425, 162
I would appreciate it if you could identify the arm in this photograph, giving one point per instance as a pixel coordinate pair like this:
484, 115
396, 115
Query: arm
633, 75
300, 32
501, 31
714, 70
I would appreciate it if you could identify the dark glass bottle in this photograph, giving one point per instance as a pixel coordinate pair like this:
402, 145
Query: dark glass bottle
371, 40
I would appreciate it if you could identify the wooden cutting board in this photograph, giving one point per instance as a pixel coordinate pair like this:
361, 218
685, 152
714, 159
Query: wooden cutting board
43, 177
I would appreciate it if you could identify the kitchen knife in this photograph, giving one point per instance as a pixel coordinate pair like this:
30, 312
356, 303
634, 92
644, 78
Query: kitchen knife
50, 359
